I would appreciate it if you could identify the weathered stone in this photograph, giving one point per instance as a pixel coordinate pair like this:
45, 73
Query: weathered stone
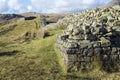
97, 51
84, 44
105, 42
79, 37
63, 37
103, 30
71, 45
119, 18
114, 50
90, 36
90, 52
109, 34
116, 23
71, 51
75, 31
106, 10
70, 27
103, 20
105, 57
113, 57
96, 44
72, 58
110, 18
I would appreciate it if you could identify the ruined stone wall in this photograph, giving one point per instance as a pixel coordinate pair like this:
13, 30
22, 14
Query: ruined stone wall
92, 36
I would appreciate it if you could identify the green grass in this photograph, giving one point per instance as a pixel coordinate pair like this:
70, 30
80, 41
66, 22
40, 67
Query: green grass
41, 60
16, 31
35, 60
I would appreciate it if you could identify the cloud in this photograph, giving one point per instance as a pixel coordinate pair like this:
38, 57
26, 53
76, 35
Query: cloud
64, 5
48, 6
3, 6
17, 6
29, 7
14, 6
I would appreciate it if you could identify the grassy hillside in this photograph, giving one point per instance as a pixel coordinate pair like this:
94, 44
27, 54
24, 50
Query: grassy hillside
20, 31
24, 55
40, 60
36, 60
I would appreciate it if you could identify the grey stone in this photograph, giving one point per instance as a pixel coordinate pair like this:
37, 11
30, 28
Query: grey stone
105, 42
79, 37
71, 27
91, 35
71, 45
63, 37
110, 18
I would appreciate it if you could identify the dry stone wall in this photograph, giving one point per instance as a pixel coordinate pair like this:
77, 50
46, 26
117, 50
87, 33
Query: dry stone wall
91, 36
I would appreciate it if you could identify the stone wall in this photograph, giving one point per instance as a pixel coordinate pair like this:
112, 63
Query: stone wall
91, 36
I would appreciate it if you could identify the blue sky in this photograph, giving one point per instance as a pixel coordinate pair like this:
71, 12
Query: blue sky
48, 6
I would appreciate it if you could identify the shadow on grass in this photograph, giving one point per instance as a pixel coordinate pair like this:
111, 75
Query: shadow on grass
9, 53
71, 77
47, 34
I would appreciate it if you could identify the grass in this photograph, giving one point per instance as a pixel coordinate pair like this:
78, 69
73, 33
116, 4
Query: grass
35, 60
40, 60
20, 31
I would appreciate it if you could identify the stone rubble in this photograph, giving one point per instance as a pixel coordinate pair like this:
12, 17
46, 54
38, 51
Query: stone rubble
91, 34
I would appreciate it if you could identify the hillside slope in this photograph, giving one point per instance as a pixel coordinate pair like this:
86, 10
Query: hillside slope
21, 31
9, 18
25, 56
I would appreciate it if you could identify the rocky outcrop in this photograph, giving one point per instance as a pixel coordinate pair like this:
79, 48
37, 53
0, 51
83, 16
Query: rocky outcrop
91, 36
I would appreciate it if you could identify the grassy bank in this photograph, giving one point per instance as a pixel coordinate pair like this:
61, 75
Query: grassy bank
35, 60
40, 60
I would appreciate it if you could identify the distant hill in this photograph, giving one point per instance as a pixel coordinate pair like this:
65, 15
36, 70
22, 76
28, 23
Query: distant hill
8, 18
112, 3
49, 18
27, 14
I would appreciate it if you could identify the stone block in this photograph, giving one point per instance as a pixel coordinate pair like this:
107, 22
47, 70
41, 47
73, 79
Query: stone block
70, 27
71, 51
79, 37
96, 44
113, 57
90, 37
63, 37
90, 53
97, 51
76, 31
72, 57
105, 42
71, 45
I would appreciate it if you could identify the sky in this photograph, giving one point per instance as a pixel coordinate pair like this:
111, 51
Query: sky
48, 6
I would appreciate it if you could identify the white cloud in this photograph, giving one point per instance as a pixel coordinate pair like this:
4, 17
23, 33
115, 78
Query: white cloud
60, 3
64, 5
29, 7
47, 6
3, 6
17, 6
